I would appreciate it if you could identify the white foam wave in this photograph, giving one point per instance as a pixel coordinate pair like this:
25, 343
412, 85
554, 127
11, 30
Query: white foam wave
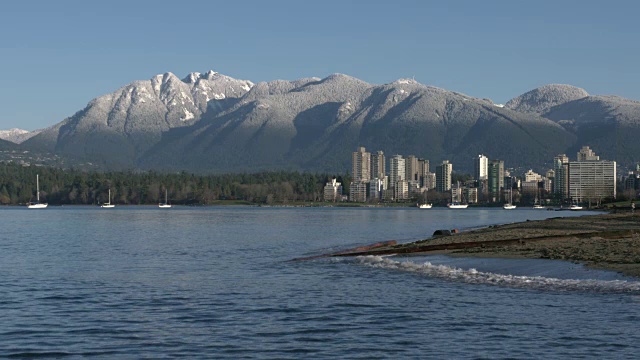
473, 276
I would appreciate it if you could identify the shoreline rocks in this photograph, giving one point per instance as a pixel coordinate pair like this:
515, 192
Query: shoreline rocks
606, 241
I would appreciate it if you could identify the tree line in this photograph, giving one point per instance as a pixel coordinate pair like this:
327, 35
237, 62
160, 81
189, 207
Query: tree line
62, 187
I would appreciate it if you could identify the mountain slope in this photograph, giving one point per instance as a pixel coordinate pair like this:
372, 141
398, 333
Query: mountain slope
17, 136
316, 124
214, 123
608, 124
114, 129
6, 145
540, 100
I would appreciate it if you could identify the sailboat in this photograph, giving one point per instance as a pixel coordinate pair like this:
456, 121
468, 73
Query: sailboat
108, 204
456, 204
165, 204
424, 205
537, 204
509, 205
37, 204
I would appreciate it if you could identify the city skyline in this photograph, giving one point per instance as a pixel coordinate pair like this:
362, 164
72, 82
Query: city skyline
72, 52
588, 178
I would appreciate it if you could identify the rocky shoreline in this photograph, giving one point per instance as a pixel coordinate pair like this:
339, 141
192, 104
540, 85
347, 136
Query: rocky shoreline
605, 241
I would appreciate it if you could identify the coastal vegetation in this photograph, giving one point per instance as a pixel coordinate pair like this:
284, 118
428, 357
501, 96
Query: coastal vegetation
74, 187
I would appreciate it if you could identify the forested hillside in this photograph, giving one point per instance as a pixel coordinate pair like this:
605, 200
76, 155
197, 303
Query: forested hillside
61, 187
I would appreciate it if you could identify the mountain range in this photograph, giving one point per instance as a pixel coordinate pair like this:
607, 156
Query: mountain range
212, 123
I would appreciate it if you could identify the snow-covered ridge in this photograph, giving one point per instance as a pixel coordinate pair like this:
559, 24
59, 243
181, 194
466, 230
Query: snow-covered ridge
17, 136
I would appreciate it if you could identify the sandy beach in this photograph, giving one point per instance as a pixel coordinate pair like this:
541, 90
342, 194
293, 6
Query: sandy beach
606, 241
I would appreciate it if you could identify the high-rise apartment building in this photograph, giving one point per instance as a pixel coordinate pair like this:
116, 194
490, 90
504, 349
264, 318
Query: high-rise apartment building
443, 176
495, 180
561, 175
429, 181
481, 168
592, 181
423, 170
411, 170
378, 167
361, 165
396, 169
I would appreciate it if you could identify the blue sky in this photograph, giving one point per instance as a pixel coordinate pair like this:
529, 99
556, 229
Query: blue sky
55, 56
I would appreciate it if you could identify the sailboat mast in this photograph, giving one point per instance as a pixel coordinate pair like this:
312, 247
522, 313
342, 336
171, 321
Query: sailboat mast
37, 188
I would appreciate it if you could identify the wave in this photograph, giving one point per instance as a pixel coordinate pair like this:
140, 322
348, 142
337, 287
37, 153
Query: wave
473, 276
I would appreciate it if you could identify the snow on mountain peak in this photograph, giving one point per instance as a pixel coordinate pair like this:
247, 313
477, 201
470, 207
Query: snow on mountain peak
209, 75
405, 81
192, 77
16, 135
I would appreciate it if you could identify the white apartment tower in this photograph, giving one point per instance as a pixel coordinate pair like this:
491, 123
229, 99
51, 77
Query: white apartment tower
443, 176
361, 165
481, 167
591, 179
396, 169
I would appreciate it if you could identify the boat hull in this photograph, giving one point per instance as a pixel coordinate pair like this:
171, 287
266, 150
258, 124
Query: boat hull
37, 206
457, 206
164, 206
107, 206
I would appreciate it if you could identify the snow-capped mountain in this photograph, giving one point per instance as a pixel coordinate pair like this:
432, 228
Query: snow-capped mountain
17, 136
117, 128
213, 123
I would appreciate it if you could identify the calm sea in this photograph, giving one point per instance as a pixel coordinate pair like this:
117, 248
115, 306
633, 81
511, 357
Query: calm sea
215, 282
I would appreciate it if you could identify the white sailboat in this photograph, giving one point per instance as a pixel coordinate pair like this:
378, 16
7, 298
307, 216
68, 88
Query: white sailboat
37, 204
424, 205
108, 204
509, 205
457, 205
165, 204
538, 204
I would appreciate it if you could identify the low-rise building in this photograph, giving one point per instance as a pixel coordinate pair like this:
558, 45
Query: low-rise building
333, 191
358, 191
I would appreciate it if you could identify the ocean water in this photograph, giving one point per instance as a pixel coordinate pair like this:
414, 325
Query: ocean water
216, 282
